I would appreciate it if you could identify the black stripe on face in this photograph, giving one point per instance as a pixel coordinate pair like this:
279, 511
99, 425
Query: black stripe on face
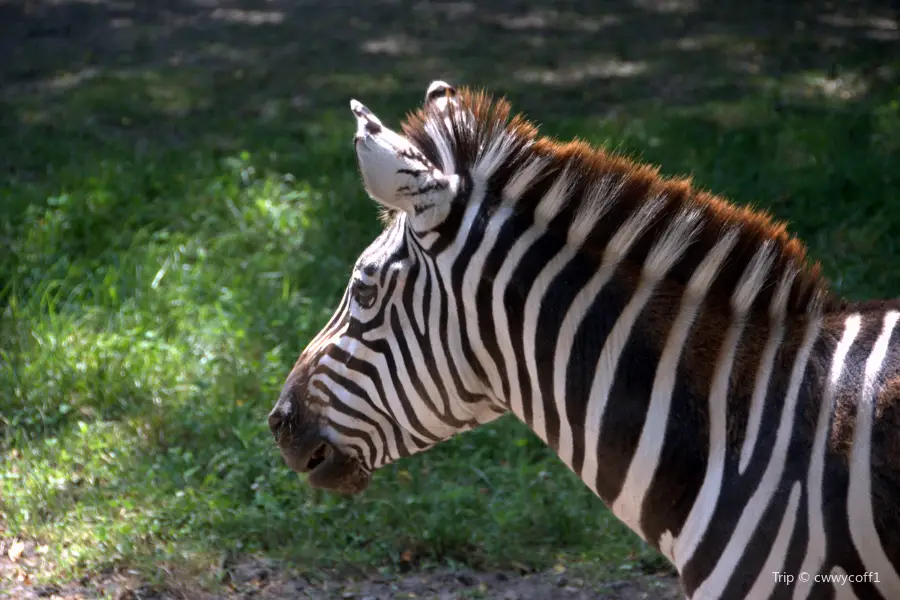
418, 271
474, 238
358, 392
450, 226
411, 408
340, 313
423, 339
371, 372
412, 372
337, 405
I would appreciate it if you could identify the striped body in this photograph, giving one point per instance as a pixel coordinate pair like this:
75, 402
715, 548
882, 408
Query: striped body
679, 354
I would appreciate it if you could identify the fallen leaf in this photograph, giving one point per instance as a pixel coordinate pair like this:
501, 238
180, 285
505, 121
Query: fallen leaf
519, 566
16, 550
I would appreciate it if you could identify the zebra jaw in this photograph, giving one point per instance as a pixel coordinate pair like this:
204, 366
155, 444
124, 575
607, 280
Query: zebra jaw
396, 173
326, 466
339, 472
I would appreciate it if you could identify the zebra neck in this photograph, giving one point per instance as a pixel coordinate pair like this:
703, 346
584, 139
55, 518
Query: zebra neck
631, 388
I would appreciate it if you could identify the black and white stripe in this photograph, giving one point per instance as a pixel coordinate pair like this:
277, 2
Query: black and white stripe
678, 355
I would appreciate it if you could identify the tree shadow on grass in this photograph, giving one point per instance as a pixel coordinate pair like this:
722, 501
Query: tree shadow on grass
178, 83
241, 64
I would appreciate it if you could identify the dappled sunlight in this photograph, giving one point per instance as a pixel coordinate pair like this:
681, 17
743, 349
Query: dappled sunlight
29, 116
882, 28
114, 101
248, 17
170, 98
662, 51
543, 19
600, 68
842, 88
66, 81
742, 54
394, 45
362, 85
451, 10
220, 53
530, 20
707, 41
667, 7
737, 114
121, 22
86, 364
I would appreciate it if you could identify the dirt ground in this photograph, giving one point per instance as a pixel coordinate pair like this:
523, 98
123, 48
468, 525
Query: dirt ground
264, 579
282, 61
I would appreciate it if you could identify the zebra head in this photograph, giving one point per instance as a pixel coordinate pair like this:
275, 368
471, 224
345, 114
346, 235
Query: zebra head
390, 374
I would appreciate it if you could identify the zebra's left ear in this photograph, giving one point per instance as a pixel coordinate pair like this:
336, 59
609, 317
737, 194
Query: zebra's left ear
395, 173
441, 95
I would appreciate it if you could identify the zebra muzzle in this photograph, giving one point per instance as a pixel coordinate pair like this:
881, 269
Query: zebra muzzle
338, 472
326, 466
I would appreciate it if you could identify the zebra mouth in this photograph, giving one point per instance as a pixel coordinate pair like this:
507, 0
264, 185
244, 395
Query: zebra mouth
333, 470
327, 467
319, 456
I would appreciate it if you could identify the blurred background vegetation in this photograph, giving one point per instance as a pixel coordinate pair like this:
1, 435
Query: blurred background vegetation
179, 211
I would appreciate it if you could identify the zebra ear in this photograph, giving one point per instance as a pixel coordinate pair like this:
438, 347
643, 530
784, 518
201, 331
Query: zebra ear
439, 98
441, 94
395, 173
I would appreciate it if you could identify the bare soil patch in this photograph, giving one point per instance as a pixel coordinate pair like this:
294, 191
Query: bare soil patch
261, 578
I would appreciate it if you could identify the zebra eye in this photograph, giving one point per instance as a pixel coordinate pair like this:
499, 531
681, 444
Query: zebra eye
365, 294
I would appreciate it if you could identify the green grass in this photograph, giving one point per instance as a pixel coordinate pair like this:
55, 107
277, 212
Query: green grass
154, 295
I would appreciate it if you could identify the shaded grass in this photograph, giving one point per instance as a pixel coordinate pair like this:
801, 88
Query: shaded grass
155, 295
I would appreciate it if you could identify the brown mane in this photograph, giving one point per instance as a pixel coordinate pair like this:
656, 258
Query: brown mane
635, 184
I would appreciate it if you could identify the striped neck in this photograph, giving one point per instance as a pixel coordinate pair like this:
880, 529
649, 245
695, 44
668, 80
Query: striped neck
630, 376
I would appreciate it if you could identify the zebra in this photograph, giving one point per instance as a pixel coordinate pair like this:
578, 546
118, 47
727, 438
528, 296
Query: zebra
683, 355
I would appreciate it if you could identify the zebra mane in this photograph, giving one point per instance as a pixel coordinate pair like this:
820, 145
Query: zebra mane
585, 194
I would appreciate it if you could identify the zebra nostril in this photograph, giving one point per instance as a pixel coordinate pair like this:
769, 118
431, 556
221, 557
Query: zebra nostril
275, 423
278, 417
